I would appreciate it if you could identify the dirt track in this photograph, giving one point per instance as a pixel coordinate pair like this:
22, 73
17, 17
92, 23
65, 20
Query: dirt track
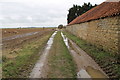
86, 66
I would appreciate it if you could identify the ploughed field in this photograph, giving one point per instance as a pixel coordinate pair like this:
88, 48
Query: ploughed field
15, 38
18, 42
11, 32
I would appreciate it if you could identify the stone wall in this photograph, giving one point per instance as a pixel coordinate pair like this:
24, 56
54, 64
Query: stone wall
103, 33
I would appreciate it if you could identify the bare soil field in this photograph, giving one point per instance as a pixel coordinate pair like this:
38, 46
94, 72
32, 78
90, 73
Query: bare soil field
11, 32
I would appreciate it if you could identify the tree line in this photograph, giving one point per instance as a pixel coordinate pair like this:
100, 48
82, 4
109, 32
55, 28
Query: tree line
77, 10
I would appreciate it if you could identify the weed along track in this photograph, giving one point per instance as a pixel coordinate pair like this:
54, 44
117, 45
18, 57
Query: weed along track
60, 63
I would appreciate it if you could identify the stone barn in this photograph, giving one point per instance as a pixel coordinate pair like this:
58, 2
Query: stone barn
99, 26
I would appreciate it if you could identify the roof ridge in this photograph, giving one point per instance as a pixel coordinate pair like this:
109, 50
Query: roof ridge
105, 9
112, 0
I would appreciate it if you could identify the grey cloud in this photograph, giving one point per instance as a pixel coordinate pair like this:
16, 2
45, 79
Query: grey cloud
37, 14
42, 13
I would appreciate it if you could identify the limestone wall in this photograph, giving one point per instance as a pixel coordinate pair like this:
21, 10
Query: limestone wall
103, 33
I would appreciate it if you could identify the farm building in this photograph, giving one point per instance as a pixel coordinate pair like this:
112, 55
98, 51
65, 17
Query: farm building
99, 26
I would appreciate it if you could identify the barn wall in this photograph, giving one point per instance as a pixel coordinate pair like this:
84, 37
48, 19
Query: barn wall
103, 33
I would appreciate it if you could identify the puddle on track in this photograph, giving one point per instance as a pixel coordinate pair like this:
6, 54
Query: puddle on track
83, 74
39, 68
94, 73
65, 39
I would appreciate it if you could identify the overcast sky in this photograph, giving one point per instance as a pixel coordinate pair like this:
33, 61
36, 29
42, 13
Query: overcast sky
47, 13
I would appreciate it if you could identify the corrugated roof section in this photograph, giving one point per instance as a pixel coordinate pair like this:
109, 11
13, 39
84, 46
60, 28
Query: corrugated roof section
106, 9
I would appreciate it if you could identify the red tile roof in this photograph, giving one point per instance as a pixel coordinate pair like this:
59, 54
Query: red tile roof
106, 9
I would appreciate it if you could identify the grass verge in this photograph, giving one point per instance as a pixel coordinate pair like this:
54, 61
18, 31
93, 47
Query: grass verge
60, 62
106, 60
21, 66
